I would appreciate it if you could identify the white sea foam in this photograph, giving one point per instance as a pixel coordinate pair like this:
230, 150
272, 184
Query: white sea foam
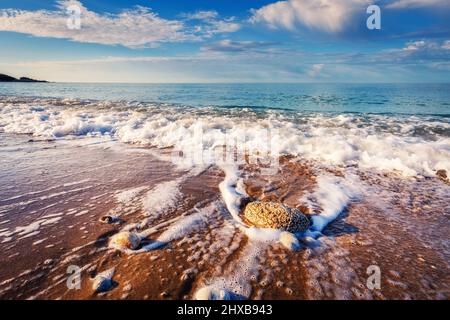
31, 229
236, 284
261, 234
162, 198
370, 141
331, 196
183, 226
126, 196
186, 225
229, 190
44, 190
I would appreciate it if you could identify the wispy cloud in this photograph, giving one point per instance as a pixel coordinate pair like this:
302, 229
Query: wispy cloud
201, 15
137, 27
324, 15
260, 52
97, 61
116, 60
446, 45
424, 50
211, 24
413, 53
228, 45
316, 69
236, 61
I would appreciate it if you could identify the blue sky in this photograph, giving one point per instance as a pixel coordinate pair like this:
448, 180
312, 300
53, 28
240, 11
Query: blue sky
226, 41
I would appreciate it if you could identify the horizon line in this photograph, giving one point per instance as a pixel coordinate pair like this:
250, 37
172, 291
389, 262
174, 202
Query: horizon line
227, 82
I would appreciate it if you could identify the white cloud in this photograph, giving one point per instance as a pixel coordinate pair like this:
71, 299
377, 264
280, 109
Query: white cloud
402, 4
426, 45
446, 45
415, 45
230, 46
137, 27
224, 26
316, 69
211, 24
421, 50
324, 15
201, 15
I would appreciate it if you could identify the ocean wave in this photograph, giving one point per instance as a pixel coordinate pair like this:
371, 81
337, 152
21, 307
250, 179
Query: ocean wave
408, 144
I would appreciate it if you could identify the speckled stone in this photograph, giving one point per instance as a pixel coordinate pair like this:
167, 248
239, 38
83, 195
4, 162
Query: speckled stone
125, 239
276, 216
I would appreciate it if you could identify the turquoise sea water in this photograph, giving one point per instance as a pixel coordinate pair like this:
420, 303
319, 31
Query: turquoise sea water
409, 99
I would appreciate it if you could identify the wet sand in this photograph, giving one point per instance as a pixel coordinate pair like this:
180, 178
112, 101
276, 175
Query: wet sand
53, 194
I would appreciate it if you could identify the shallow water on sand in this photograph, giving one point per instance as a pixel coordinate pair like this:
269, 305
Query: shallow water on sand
55, 191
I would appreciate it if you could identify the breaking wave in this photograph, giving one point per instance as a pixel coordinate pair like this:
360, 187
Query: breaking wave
408, 144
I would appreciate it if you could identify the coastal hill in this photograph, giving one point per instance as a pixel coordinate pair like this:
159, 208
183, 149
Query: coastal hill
6, 78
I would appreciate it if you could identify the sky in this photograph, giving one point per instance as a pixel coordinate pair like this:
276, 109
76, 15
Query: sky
214, 41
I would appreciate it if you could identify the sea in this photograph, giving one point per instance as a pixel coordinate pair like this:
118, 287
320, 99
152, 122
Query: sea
401, 127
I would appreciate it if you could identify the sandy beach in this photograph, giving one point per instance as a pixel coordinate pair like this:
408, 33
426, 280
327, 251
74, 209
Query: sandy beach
55, 192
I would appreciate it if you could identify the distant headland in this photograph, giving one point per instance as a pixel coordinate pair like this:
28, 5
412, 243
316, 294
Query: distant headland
6, 78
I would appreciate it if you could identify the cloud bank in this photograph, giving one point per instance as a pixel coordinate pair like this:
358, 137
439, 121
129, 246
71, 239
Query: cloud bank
137, 27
